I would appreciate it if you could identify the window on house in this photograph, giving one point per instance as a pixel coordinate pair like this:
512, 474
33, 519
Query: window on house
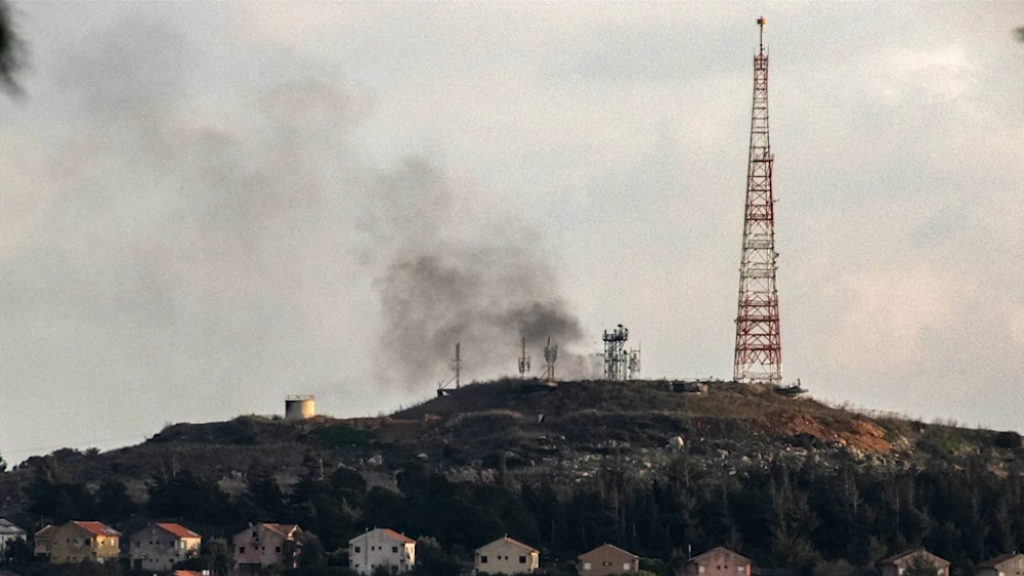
626, 566
277, 549
586, 565
394, 549
357, 550
741, 569
701, 569
483, 559
522, 559
241, 549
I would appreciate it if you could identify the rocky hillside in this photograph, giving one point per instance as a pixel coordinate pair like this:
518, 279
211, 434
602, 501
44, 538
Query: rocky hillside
520, 432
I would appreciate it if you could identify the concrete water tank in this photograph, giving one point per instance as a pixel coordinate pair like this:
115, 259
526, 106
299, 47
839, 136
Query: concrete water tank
298, 407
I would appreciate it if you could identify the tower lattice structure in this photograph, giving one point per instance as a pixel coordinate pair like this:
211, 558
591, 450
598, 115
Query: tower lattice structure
758, 345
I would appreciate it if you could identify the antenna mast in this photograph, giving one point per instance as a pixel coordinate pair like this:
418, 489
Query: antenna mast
758, 345
457, 363
550, 355
615, 355
524, 362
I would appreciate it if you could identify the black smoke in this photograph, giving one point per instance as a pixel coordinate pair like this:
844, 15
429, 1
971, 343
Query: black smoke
486, 297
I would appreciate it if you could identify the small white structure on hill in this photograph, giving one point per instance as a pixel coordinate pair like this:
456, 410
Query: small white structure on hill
299, 407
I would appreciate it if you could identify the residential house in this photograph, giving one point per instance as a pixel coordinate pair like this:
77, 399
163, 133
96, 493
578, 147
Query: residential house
381, 547
897, 565
1006, 565
9, 533
607, 560
267, 544
159, 546
44, 542
718, 561
506, 556
81, 540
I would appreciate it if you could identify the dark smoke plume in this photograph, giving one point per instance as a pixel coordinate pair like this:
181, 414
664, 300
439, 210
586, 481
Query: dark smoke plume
488, 298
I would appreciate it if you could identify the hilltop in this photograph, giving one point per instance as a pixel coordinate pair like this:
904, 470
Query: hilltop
790, 482
529, 433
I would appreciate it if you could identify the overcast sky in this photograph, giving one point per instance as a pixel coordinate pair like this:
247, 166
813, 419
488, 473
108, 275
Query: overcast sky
208, 206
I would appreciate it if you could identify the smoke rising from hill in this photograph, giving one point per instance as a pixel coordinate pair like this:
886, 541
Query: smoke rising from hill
233, 240
488, 298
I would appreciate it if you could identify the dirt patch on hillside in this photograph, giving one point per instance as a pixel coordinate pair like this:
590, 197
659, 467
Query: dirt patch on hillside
854, 433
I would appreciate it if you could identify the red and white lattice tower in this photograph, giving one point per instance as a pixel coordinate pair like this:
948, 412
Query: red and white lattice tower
758, 345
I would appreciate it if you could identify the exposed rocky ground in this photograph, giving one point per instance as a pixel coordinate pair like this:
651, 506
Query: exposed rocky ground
516, 432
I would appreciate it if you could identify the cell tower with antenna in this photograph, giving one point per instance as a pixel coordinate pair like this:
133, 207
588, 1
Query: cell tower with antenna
615, 356
758, 345
550, 356
442, 387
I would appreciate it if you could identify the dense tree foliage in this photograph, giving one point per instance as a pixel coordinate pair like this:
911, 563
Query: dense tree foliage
805, 517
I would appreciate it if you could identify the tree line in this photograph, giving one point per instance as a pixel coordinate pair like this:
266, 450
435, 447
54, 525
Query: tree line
802, 517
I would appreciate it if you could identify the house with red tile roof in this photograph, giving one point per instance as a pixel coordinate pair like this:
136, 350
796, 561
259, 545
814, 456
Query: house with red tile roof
161, 545
267, 544
506, 556
80, 540
381, 547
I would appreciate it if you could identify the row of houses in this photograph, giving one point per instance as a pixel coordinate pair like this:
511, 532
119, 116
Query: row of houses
161, 545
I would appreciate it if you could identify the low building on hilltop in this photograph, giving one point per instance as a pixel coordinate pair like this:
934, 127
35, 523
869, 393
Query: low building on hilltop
506, 556
718, 561
161, 545
381, 548
897, 565
608, 560
80, 540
